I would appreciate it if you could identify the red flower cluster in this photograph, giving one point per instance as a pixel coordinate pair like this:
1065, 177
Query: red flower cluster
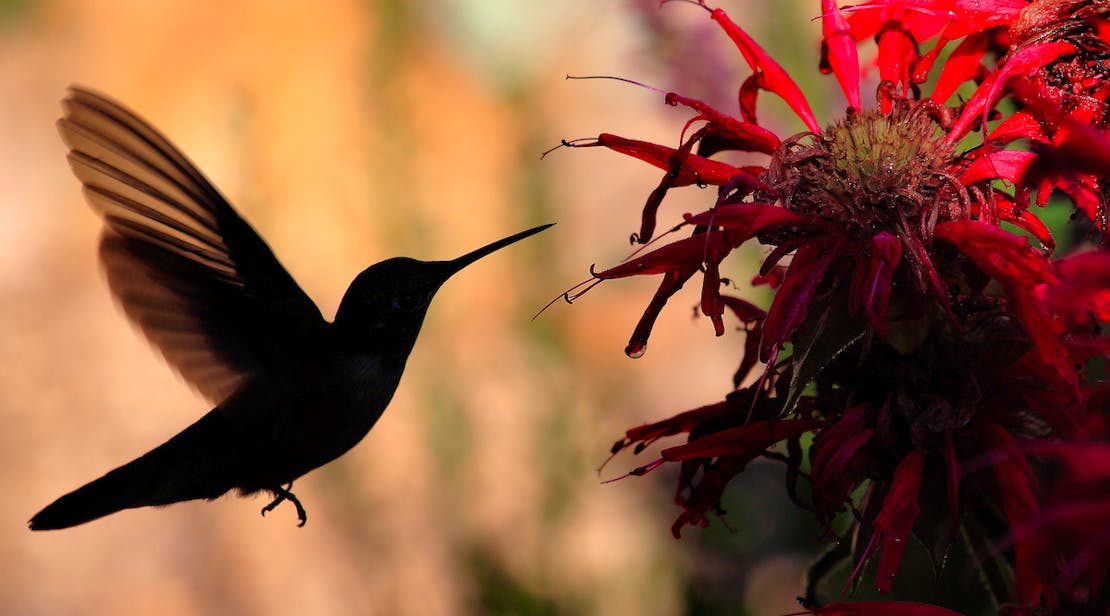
920, 330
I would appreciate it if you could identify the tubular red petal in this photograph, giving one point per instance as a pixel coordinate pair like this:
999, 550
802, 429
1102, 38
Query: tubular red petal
671, 283
706, 494
1021, 62
1081, 294
1003, 164
838, 453
964, 64
711, 304
747, 219
1006, 257
840, 47
744, 136
769, 75
1015, 486
682, 255
896, 519
872, 295
1020, 125
746, 442
897, 53
694, 169
679, 424
743, 309
972, 15
791, 303
925, 274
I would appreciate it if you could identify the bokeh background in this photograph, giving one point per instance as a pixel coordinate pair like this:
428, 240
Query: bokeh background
347, 132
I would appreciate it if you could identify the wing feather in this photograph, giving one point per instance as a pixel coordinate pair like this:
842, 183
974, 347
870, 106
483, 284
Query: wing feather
203, 287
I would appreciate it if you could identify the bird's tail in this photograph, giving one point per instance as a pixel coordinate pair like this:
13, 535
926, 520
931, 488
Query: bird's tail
197, 463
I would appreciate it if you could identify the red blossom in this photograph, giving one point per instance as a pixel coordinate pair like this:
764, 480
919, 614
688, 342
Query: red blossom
967, 15
910, 331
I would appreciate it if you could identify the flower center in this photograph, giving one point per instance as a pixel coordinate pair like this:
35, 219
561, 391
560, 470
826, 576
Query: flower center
873, 171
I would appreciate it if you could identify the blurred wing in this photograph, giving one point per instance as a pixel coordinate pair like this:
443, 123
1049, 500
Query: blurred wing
199, 282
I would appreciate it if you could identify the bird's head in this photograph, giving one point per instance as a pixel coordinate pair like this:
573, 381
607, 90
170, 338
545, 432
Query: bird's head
386, 303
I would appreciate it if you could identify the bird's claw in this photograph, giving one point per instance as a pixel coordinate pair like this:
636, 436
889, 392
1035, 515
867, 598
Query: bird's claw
283, 494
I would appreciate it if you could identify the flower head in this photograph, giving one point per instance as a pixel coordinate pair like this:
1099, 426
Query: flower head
914, 331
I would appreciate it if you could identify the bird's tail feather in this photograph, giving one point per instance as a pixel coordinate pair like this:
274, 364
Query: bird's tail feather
194, 464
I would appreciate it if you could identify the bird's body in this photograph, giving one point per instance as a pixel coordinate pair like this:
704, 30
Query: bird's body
292, 390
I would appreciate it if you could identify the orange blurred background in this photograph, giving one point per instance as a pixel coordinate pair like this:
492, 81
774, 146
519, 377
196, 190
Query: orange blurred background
348, 132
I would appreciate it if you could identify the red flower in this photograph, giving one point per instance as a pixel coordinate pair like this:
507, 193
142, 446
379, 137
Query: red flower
910, 331
1055, 54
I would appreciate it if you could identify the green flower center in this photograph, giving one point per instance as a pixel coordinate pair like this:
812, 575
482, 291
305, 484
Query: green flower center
873, 171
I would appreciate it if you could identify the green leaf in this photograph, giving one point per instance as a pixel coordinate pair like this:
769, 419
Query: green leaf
828, 331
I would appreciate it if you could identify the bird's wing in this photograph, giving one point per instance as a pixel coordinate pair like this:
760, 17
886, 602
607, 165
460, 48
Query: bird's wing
200, 283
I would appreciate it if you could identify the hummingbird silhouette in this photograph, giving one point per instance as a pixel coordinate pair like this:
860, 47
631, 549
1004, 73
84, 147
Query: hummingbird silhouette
292, 390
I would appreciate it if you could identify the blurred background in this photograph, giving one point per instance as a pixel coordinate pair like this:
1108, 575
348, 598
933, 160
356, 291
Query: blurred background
348, 132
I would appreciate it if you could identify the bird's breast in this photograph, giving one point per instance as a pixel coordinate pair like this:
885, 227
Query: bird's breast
309, 417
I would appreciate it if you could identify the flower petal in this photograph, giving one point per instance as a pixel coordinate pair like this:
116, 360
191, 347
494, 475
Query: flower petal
1021, 62
746, 442
768, 74
1015, 486
747, 219
692, 169
897, 53
896, 519
839, 50
729, 131
678, 256
1081, 295
1006, 257
791, 303
963, 65
871, 286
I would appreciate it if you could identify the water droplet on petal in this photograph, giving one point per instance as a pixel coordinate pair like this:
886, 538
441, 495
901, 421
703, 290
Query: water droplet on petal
635, 350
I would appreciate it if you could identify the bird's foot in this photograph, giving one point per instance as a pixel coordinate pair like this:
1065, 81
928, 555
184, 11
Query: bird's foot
283, 494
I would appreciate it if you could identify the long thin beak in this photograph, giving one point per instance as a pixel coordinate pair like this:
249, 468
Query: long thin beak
455, 265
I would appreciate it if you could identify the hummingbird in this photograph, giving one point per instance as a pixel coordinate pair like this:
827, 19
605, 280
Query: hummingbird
292, 391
